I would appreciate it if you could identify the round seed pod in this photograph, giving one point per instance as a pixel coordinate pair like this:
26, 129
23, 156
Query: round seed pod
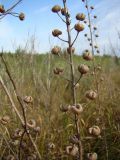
79, 27
10, 157
56, 50
18, 133
56, 32
72, 50
2, 10
58, 71
31, 124
72, 150
51, 146
5, 120
76, 109
74, 139
21, 16
95, 131
64, 108
28, 99
87, 56
92, 156
56, 9
37, 129
64, 11
83, 69
92, 95
80, 16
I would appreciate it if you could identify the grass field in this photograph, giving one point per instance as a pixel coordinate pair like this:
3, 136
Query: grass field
33, 76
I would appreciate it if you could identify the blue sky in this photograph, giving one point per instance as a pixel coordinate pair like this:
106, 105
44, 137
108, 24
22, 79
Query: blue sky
41, 21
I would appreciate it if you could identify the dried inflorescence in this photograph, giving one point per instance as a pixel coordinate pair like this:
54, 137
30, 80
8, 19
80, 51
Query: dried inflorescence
80, 16
87, 55
56, 32
2, 10
92, 95
95, 131
58, 71
56, 50
92, 156
21, 16
72, 150
28, 99
76, 109
83, 69
56, 9
79, 27
5, 120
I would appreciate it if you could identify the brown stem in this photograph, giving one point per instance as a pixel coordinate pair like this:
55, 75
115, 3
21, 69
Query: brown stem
73, 79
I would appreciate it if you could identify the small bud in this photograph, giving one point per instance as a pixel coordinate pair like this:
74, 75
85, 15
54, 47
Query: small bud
79, 27
85, 35
95, 28
95, 16
95, 131
92, 95
56, 33
92, 7
80, 16
83, 69
21, 16
56, 9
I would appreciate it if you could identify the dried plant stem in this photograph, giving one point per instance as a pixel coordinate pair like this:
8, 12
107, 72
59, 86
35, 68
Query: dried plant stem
24, 120
73, 79
96, 81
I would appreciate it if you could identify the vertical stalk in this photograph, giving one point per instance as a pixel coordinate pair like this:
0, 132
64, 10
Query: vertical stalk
73, 79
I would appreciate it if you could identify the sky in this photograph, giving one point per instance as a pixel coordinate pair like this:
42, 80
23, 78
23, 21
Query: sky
40, 22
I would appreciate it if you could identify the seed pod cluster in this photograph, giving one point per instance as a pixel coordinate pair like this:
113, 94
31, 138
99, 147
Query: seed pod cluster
56, 9
56, 50
79, 27
80, 16
87, 55
76, 109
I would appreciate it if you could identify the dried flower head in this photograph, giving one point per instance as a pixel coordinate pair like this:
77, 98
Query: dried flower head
95, 131
5, 120
21, 16
92, 95
56, 50
76, 109
92, 156
51, 146
87, 55
64, 108
83, 69
10, 157
80, 16
56, 32
2, 10
72, 150
56, 9
79, 27
64, 11
31, 124
58, 71
72, 50
28, 99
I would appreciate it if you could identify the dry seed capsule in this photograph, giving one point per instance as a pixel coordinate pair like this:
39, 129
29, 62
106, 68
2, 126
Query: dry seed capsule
83, 69
2, 10
79, 27
92, 156
56, 50
56, 9
5, 120
56, 32
87, 56
21, 16
31, 124
65, 108
80, 16
72, 150
76, 109
92, 95
28, 99
64, 11
95, 131
72, 50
